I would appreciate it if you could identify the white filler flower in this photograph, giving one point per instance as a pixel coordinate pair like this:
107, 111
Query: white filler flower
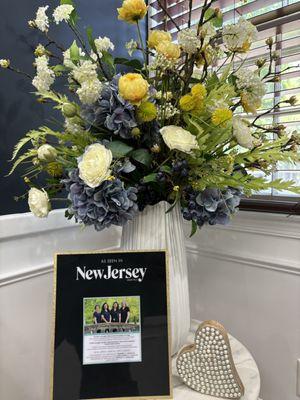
188, 40
38, 202
44, 75
240, 36
178, 138
103, 44
94, 165
62, 13
41, 20
91, 87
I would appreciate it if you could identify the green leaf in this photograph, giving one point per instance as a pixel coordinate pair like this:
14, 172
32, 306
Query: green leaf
142, 156
212, 81
29, 154
74, 52
59, 68
67, 2
194, 228
226, 72
135, 63
89, 32
150, 178
216, 21
119, 149
108, 59
166, 168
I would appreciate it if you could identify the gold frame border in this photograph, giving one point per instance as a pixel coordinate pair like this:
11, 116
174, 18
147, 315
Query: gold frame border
170, 396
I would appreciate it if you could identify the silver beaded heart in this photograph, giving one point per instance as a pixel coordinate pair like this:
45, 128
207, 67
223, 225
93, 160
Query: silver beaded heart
207, 365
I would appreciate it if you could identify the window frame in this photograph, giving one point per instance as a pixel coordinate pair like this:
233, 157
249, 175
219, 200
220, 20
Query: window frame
265, 203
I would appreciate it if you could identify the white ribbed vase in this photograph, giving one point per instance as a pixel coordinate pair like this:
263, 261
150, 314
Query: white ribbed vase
153, 229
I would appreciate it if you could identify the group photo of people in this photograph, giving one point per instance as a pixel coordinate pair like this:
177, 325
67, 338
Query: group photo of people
117, 314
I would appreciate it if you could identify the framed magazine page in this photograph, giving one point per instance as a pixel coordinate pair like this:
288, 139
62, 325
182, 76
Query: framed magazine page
111, 326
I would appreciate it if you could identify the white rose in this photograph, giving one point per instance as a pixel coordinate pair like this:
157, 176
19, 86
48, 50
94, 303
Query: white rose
38, 202
178, 138
242, 133
47, 153
94, 164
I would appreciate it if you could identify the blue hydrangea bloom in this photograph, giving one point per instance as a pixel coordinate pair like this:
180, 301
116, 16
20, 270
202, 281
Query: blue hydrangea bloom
212, 206
111, 111
108, 204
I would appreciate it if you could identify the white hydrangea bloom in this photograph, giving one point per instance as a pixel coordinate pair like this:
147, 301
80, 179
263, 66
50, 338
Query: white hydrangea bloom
248, 80
131, 46
238, 37
242, 133
87, 70
89, 91
189, 41
67, 58
103, 44
252, 89
44, 75
41, 20
62, 13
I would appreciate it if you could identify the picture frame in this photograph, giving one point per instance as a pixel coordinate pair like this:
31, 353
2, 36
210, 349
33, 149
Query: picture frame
111, 326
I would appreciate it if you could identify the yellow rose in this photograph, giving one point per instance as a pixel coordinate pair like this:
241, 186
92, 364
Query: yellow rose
38, 202
146, 112
168, 49
133, 87
94, 165
178, 138
132, 11
155, 37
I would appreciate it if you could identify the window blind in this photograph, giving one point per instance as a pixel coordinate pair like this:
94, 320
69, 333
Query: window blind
276, 19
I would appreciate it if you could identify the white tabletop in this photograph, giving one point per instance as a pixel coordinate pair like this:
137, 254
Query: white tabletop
245, 365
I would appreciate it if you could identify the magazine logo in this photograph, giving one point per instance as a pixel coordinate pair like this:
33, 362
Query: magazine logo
130, 274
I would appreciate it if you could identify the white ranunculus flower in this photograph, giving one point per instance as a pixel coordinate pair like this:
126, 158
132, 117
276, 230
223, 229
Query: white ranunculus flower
242, 133
94, 164
178, 138
47, 153
38, 202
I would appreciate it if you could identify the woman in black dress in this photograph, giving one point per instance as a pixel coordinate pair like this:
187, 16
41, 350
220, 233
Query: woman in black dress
97, 316
105, 315
124, 313
115, 314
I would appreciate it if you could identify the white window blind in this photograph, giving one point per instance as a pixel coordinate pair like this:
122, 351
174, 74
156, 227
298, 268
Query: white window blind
276, 19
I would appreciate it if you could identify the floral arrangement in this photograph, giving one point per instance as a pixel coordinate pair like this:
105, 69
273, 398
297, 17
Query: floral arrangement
182, 126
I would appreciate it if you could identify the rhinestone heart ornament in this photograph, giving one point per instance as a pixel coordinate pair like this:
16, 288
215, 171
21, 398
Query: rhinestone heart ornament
207, 366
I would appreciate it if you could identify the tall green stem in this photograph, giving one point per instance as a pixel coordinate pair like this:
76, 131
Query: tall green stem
141, 43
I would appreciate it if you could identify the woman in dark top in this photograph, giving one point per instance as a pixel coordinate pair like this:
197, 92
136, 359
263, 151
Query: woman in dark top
124, 313
105, 314
115, 313
97, 314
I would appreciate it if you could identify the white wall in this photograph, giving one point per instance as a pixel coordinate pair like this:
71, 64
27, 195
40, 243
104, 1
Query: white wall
245, 275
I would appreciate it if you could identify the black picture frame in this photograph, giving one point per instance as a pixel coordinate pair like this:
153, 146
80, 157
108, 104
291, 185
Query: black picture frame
102, 351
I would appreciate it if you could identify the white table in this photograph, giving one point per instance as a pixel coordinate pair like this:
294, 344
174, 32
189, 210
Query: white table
245, 365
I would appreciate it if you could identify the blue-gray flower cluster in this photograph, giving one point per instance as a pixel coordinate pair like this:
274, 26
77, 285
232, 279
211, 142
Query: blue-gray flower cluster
112, 111
212, 206
108, 204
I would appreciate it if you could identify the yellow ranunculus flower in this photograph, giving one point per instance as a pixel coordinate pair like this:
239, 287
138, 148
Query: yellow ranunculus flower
187, 102
199, 90
170, 50
155, 37
221, 116
132, 11
146, 112
133, 87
